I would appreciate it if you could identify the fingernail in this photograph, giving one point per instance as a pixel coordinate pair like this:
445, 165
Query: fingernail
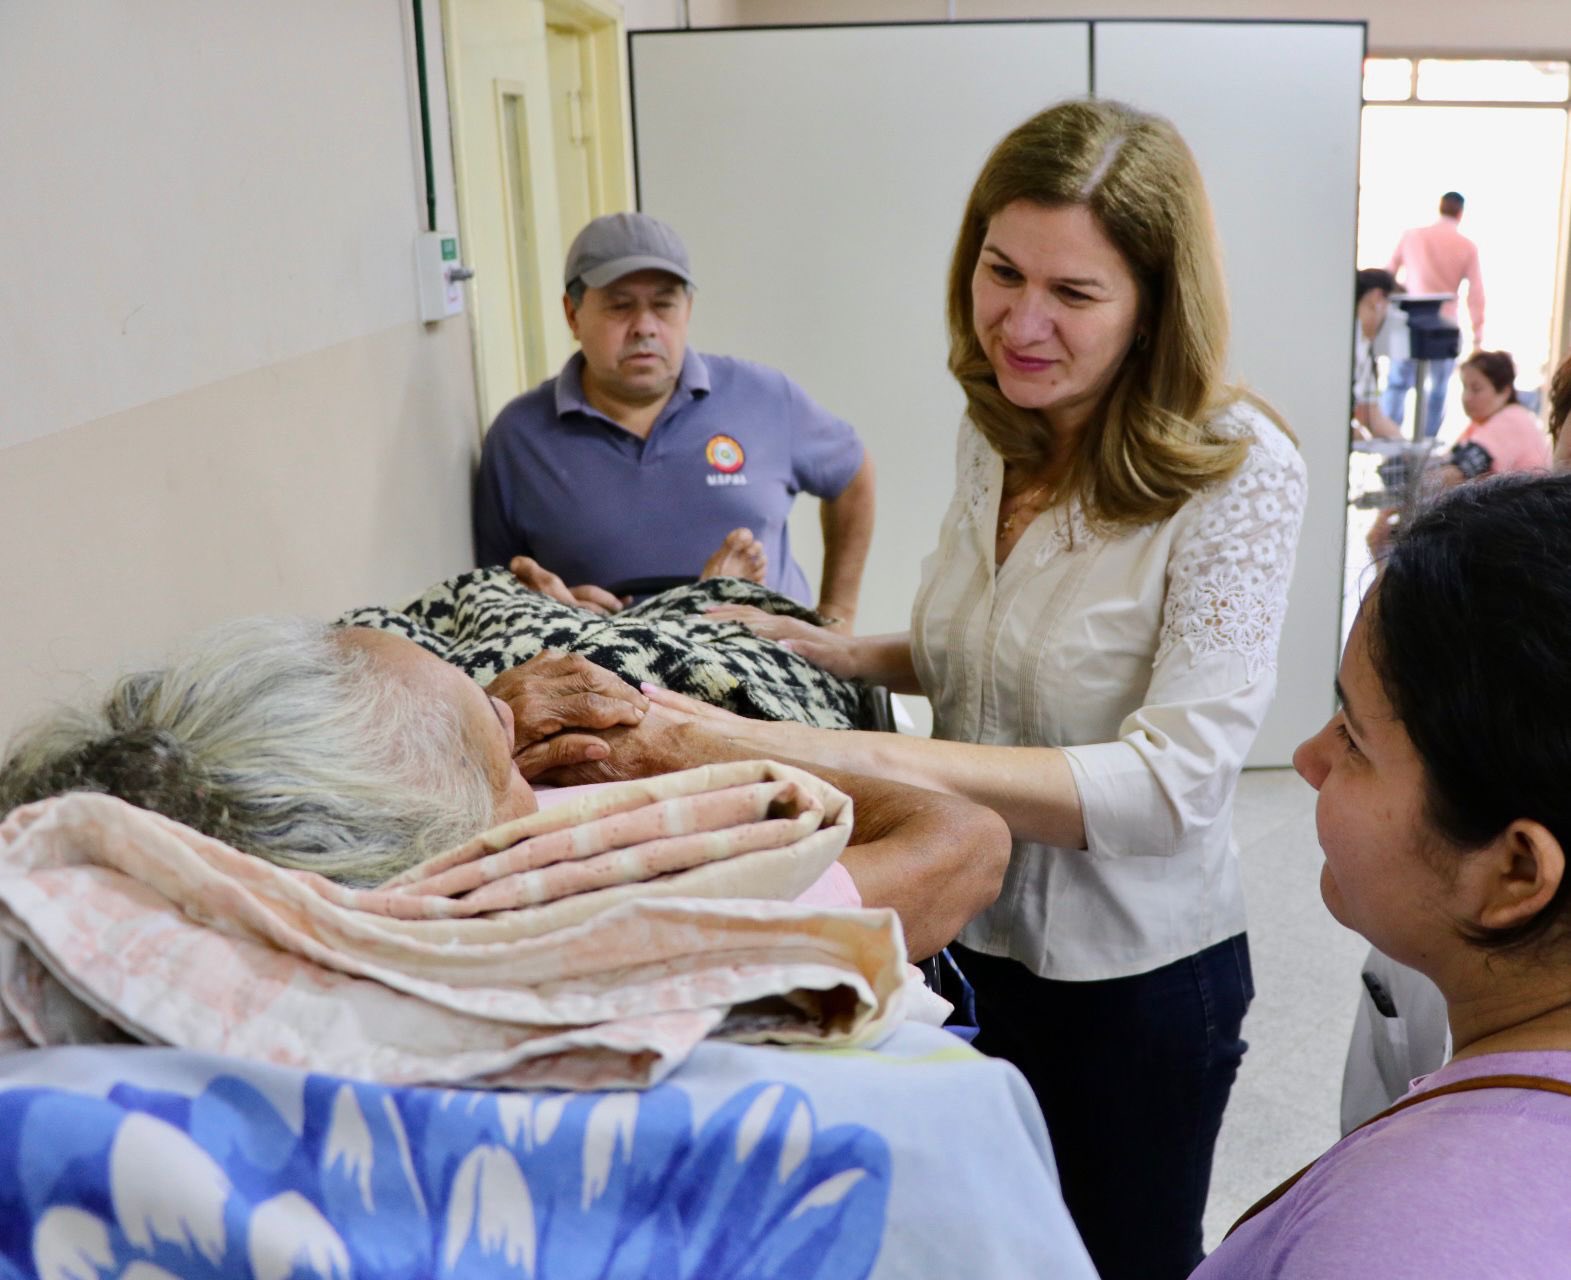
646, 688
788, 645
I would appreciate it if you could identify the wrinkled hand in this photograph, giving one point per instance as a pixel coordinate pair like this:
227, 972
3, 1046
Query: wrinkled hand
662, 742
554, 694
537, 577
834, 652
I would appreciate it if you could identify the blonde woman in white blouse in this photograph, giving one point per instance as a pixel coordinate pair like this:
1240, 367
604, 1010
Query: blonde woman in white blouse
1097, 632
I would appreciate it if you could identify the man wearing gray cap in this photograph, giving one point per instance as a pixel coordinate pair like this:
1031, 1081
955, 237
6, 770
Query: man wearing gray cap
635, 463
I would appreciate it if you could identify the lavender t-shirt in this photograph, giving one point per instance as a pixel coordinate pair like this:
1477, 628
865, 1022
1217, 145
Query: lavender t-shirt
1462, 1187
595, 504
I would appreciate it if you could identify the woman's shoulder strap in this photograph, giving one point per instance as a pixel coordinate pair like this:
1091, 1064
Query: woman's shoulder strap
1544, 1084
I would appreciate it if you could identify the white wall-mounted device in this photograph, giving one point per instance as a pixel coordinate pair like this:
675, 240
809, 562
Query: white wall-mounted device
440, 275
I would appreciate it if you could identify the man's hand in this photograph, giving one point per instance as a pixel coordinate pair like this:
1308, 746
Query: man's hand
556, 692
537, 577
741, 555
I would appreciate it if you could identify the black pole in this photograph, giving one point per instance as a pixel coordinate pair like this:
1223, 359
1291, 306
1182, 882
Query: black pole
425, 118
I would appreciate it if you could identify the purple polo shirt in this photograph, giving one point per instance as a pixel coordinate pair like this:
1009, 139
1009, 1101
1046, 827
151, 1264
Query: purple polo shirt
593, 503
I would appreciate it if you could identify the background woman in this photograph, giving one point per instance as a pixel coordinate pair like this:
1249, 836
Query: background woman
1501, 435
1444, 818
1097, 631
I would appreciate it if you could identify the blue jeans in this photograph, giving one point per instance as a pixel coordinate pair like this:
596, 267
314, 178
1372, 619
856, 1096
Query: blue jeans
1132, 1075
1404, 373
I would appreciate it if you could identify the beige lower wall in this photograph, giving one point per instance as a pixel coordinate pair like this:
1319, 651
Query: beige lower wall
335, 479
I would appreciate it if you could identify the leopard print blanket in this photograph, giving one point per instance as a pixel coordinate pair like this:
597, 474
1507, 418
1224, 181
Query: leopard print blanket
486, 621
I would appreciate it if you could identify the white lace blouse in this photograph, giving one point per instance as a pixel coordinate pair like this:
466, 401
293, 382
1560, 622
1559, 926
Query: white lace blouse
1150, 656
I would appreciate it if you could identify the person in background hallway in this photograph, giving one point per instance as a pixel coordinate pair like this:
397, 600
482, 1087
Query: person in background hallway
1097, 630
1372, 290
1444, 818
628, 469
1502, 434
1435, 259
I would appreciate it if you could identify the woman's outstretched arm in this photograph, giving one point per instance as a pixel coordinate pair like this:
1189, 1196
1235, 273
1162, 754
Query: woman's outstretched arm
1032, 788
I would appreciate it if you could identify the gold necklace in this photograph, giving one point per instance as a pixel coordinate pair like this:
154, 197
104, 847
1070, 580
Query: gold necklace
1008, 523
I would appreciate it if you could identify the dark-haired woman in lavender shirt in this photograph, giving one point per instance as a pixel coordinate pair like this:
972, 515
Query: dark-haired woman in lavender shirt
1445, 820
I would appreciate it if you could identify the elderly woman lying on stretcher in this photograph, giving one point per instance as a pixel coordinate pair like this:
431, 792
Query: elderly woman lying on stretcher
356, 753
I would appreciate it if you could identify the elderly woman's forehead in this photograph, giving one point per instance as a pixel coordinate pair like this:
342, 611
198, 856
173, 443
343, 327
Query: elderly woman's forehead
399, 654
374, 640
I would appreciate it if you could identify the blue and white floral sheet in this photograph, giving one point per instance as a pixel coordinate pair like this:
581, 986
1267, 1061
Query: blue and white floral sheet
918, 1159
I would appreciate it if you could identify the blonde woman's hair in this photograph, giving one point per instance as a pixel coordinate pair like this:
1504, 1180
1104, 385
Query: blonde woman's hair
277, 738
1150, 448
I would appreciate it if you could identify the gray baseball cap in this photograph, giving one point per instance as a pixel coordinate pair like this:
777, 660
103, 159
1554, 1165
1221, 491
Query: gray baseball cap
619, 244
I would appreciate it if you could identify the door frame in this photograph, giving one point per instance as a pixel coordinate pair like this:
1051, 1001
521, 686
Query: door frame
480, 167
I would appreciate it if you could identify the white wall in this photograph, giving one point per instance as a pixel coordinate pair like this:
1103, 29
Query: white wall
1430, 26
665, 15
651, 15
186, 203
218, 395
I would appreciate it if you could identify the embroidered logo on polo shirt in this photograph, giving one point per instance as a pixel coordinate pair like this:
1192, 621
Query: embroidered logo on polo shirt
724, 453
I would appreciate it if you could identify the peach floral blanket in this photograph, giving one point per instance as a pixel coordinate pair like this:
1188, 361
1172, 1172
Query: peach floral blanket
588, 946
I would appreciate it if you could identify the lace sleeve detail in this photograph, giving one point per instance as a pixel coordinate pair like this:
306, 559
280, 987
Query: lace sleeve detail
1233, 552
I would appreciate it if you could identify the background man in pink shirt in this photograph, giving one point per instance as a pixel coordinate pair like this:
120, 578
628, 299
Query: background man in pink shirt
1436, 259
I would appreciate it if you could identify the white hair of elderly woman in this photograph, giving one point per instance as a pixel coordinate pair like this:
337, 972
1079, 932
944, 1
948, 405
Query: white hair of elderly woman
274, 736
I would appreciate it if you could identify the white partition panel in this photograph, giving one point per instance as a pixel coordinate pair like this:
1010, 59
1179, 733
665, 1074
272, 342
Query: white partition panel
818, 176
1271, 111
194, 192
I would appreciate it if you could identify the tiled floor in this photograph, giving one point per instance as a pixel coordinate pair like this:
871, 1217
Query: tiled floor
1283, 1111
